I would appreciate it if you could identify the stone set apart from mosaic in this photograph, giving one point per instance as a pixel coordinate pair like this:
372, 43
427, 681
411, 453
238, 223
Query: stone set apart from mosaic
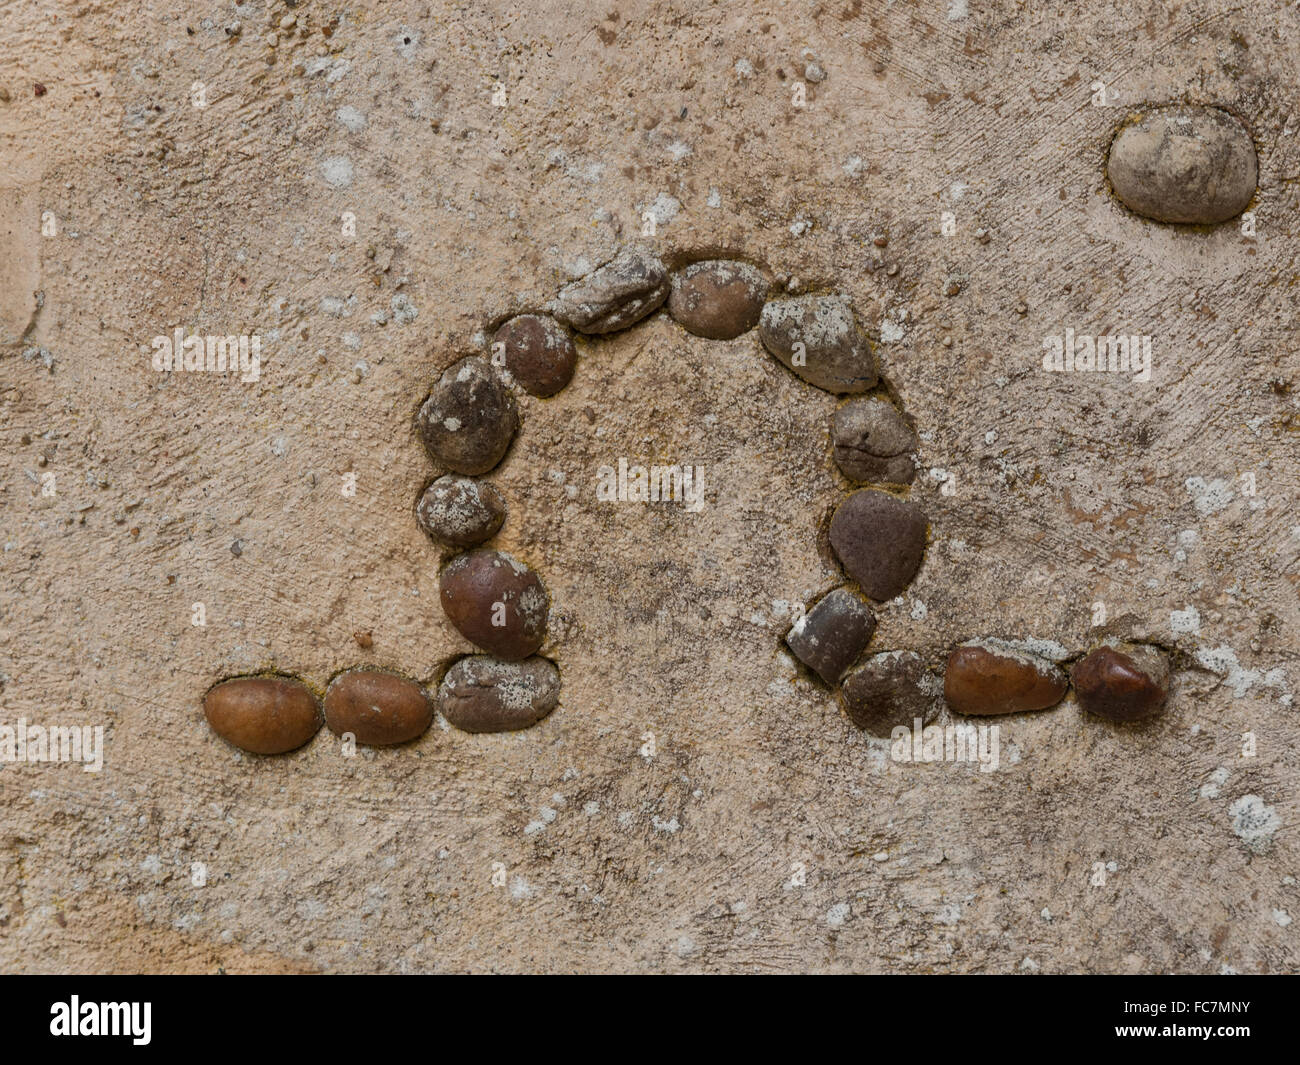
1189, 165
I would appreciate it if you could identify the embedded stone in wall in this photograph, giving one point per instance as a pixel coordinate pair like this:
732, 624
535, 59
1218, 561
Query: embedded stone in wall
890, 689
495, 602
263, 715
830, 637
880, 541
618, 294
1122, 682
818, 339
719, 299
460, 512
538, 352
873, 442
483, 694
469, 419
990, 676
1184, 164
378, 708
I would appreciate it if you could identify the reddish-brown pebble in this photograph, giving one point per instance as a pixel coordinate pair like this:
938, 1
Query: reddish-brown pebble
264, 715
538, 352
1123, 683
495, 602
378, 708
719, 299
880, 541
991, 677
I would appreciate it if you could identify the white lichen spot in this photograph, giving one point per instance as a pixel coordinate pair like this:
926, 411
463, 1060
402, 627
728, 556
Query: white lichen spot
1223, 662
1210, 789
351, 119
838, 914
891, 332
1254, 822
337, 171
1209, 497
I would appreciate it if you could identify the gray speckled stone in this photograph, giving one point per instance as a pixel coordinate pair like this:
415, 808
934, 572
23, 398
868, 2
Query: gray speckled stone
616, 295
836, 354
1184, 164
873, 442
460, 512
483, 694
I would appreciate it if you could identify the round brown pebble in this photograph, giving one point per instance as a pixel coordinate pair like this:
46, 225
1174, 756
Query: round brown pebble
1124, 682
378, 708
719, 299
880, 541
615, 295
460, 512
469, 419
483, 694
496, 602
1184, 164
831, 636
538, 352
873, 442
890, 689
993, 677
817, 338
263, 715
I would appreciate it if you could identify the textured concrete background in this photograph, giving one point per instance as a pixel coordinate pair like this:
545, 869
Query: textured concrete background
1069, 489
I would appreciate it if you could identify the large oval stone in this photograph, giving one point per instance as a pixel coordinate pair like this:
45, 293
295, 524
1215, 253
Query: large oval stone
378, 708
830, 637
263, 715
880, 541
538, 352
818, 339
460, 512
992, 677
873, 442
1184, 164
891, 689
496, 602
719, 299
1124, 682
483, 694
616, 295
469, 419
